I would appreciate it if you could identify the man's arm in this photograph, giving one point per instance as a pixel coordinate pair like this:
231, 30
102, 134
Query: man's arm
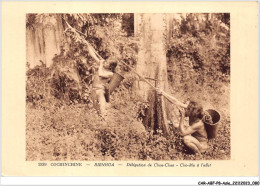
190, 129
101, 71
104, 73
92, 53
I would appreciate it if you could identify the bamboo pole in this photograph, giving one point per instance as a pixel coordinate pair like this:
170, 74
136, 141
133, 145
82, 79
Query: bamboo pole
139, 75
151, 84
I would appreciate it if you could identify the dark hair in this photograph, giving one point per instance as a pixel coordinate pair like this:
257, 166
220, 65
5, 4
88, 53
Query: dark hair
112, 66
195, 110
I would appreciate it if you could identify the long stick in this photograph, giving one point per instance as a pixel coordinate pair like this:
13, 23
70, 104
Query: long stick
139, 75
84, 39
150, 83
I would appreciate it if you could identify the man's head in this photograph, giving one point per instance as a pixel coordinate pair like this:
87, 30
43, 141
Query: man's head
194, 110
112, 66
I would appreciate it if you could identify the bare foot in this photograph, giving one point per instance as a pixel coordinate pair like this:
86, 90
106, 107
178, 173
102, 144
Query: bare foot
176, 124
198, 156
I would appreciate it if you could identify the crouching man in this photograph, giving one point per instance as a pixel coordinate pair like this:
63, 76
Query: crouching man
195, 135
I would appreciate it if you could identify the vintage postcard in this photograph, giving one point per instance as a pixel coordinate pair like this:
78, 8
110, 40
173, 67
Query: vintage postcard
129, 89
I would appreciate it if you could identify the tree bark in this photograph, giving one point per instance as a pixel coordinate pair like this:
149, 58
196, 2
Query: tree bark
151, 28
43, 41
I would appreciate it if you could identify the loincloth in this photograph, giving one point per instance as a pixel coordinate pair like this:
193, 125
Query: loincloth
102, 90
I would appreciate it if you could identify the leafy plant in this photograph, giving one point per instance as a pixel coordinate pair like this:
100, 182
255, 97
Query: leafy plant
199, 51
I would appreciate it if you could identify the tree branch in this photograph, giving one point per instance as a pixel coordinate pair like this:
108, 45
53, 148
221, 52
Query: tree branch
83, 39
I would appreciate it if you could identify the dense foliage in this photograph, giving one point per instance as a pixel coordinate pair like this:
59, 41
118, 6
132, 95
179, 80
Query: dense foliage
199, 51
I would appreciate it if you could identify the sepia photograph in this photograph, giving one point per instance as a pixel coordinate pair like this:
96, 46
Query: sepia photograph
127, 86
129, 92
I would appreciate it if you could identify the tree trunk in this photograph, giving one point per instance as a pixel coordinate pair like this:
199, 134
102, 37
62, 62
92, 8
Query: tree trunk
43, 41
151, 28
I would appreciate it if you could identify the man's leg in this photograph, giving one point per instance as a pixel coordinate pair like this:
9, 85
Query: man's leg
193, 144
94, 99
204, 146
102, 102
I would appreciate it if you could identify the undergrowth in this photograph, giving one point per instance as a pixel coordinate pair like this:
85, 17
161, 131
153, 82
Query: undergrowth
59, 131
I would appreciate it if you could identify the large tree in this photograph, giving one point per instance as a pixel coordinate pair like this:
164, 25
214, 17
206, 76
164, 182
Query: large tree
152, 64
